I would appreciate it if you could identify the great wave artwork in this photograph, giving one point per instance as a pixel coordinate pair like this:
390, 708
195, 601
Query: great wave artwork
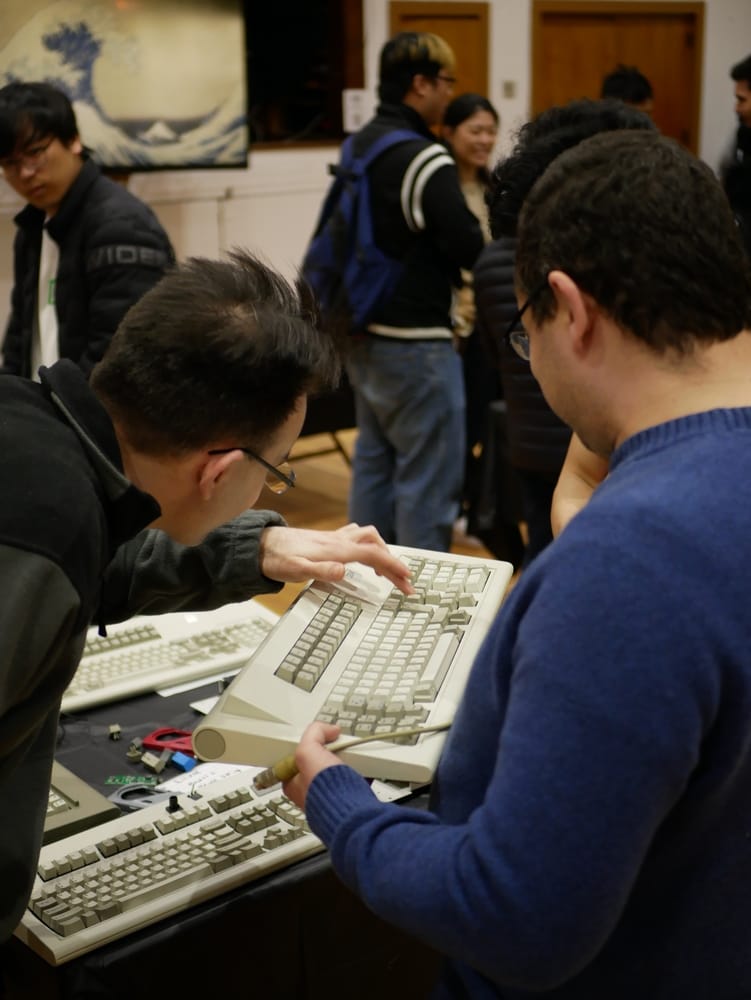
156, 84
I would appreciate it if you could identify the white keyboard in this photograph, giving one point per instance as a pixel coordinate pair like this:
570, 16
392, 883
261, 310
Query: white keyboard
368, 658
148, 653
102, 884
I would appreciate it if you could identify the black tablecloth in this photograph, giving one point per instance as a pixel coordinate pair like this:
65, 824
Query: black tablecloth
298, 933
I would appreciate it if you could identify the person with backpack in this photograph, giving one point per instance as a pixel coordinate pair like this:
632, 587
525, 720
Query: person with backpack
393, 236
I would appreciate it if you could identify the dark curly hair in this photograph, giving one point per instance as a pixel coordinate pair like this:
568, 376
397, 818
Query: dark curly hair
644, 227
537, 144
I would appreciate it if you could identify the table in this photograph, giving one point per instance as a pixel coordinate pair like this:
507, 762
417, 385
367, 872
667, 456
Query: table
298, 933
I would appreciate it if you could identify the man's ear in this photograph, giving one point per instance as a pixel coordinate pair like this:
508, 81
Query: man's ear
76, 146
420, 83
212, 470
577, 307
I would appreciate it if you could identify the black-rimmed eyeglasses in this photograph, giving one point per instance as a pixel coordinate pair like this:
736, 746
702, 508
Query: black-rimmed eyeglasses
31, 159
279, 478
515, 334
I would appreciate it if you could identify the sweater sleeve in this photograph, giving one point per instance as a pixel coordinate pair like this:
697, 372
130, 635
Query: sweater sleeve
152, 574
571, 747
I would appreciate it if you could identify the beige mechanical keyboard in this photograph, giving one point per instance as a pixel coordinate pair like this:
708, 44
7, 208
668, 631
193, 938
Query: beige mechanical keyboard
148, 653
368, 658
100, 885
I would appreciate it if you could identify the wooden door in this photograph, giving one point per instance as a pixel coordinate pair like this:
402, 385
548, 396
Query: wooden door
463, 25
576, 44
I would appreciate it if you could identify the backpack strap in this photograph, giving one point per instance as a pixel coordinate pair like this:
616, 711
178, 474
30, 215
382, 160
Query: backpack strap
386, 141
422, 167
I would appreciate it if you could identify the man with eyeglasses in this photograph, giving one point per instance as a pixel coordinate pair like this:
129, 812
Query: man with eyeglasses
85, 249
589, 836
408, 466
130, 493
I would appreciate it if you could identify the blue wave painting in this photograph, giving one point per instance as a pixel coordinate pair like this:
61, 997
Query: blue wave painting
77, 44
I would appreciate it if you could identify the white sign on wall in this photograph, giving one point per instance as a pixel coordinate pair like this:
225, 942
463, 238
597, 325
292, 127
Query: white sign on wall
358, 107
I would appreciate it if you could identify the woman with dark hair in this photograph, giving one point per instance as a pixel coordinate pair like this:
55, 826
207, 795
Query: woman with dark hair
470, 129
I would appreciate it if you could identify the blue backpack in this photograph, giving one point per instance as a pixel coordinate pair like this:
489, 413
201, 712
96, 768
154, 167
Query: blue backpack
346, 270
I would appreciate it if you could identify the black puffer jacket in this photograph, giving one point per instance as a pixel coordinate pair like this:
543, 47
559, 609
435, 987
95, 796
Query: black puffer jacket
735, 172
112, 251
537, 438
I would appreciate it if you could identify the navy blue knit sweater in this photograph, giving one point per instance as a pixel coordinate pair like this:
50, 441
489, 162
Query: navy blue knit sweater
590, 830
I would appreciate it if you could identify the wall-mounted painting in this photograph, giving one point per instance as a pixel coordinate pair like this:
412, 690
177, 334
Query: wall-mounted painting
156, 84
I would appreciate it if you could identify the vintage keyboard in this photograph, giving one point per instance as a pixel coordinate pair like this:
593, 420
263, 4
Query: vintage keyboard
148, 653
368, 658
106, 882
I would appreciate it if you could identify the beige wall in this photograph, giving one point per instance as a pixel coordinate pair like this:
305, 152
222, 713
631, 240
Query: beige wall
271, 207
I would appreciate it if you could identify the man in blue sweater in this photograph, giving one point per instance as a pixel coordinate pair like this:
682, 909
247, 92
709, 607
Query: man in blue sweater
590, 826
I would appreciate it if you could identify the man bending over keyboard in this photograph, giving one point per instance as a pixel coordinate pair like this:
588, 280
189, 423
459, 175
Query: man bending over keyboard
194, 407
590, 830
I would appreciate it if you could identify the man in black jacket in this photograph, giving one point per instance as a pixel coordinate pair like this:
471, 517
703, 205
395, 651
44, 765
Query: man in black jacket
192, 411
86, 249
735, 170
408, 465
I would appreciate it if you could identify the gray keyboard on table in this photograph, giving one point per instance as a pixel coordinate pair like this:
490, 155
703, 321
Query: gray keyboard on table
149, 653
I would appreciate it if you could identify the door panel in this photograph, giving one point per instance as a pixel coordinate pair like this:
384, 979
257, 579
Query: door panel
463, 25
576, 44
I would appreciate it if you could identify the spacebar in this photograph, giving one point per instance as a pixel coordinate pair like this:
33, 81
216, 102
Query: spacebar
149, 892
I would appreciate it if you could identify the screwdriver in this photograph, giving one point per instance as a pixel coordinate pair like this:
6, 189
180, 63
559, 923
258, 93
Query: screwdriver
286, 768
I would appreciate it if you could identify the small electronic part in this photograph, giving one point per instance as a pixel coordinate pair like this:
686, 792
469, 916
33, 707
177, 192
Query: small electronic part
156, 763
183, 761
115, 732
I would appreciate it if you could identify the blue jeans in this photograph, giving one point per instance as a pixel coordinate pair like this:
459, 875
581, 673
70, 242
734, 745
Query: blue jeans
408, 467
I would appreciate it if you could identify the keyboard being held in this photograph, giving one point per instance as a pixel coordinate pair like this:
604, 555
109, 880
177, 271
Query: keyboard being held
367, 658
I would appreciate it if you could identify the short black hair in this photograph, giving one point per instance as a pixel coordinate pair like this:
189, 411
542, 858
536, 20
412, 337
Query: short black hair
742, 71
644, 227
31, 111
216, 349
627, 84
409, 54
537, 144
464, 106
